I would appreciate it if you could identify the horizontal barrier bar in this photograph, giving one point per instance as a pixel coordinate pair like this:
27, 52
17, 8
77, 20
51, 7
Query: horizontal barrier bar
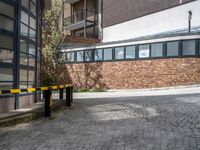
31, 90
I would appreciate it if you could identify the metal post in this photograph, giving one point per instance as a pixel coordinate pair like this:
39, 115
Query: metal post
68, 100
61, 94
48, 102
85, 18
189, 20
71, 94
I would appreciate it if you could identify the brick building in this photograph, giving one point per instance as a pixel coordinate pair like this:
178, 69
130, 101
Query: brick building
127, 44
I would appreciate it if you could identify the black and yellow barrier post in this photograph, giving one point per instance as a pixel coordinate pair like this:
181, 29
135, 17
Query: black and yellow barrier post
61, 93
71, 94
68, 96
48, 102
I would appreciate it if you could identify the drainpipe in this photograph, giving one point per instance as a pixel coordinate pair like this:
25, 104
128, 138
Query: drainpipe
85, 18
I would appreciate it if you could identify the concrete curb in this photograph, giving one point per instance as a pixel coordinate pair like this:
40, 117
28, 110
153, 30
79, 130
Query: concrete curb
28, 116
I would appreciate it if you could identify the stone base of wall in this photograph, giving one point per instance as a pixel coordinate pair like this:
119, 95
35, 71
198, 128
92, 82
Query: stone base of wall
135, 74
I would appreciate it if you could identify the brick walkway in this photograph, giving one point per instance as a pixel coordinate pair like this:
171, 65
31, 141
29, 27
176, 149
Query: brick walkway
133, 123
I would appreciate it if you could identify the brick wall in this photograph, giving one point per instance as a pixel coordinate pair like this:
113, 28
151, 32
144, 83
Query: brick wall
82, 40
136, 74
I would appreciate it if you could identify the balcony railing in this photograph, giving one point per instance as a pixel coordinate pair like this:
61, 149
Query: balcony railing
80, 16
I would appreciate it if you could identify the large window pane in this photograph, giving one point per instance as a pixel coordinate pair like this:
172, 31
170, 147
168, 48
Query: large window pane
33, 8
31, 60
25, 3
172, 49
80, 56
33, 23
88, 55
23, 46
130, 52
23, 59
23, 75
24, 17
7, 9
70, 57
6, 42
32, 49
23, 85
189, 47
32, 34
24, 30
6, 74
119, 53
157, 50
6, 23
31, 76
6, 56
108, 54
144, 51
98, 54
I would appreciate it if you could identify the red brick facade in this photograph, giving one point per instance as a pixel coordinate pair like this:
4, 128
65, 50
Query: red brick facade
136, 74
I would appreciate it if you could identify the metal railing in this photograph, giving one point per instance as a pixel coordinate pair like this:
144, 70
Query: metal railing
80, 16
47, 95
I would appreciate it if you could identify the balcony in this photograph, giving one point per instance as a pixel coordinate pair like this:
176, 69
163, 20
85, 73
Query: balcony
80, 19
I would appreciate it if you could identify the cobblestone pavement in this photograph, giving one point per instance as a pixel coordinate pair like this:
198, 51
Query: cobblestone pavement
130, 123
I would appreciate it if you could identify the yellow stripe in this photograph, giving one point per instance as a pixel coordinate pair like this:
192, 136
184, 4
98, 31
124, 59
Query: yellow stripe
44, 88
54, 87
15, 91
0, 92
51, 101
62, 86
31, 89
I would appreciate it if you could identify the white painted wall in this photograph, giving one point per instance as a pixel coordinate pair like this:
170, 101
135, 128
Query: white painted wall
164, 21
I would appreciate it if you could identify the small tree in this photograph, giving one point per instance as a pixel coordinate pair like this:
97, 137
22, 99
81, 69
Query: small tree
52, 38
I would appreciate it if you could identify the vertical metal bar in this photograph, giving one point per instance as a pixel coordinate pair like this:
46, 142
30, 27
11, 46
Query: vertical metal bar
71, 94
68, 100
48, 98
85, 18
61, 94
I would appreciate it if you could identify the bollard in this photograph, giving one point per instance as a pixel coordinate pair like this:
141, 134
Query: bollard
68, 95
71, 94
61, 94
48, 102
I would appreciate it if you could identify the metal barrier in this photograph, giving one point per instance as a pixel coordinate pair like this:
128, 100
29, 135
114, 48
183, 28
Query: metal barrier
47, 95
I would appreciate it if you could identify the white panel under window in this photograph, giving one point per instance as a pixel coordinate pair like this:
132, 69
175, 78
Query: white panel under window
189, 47
144, 51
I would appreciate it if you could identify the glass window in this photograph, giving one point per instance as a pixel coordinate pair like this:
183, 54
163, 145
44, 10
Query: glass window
6, 42
130, 52
172, 48
31, 60
80, 56
157, 50
31, 76
32, 23
6, 85
32, 34
23, 59
33, 8
7, 9
24, 17
23, 46
23, 85
24, 30
119, 53
144, 51
98, 54
25, 3
6, 23
6, 56
32, 49
70, 57
189, 47
88, 55
6, 74
107, 54
31, 84
23, 75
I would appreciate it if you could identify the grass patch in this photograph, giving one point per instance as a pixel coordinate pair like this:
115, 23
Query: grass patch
88, 90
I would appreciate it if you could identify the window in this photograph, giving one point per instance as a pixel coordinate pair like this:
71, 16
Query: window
130, 52
23, 59
98, 54
6, 23
23, 46
88, 55
144, 51
32, 49
23, 75
80, 56
119, 53
31, 76
6, 56
189, 47
6, 42
6, 85
31, 60
157, 50
6, 74
70, 57
172, 48
108, 54
24, 30
25, 3
7, 9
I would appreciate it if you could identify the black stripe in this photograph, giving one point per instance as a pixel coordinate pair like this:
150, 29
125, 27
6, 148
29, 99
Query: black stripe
38, 89
6, 92
24, 90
